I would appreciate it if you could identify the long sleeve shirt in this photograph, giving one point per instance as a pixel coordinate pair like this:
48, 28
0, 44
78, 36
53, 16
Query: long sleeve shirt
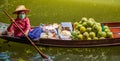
24, 25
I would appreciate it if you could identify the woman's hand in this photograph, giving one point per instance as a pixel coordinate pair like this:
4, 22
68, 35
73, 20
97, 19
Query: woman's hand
26, 33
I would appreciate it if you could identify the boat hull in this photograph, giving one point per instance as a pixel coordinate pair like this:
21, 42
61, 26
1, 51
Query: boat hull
67, 43
114, 27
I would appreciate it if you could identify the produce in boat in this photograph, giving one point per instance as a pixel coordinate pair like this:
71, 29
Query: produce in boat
90, 29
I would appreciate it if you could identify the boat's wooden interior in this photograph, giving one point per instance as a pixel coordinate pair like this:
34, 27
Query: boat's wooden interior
115, 28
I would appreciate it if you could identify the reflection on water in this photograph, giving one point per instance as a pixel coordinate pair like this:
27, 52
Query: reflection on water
4, 56
7, 56
84, 54
63, 54
37, 57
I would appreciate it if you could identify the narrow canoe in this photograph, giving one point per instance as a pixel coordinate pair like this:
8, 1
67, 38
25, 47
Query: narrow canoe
114, 27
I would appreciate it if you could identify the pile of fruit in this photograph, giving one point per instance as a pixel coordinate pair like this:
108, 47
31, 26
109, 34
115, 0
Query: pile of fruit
89, 29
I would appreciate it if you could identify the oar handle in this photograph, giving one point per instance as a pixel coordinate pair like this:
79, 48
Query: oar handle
43, 55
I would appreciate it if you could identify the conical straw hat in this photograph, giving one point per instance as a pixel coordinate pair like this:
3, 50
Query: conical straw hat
21, 8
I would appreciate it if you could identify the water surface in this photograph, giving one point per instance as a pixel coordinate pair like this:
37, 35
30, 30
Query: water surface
50, 11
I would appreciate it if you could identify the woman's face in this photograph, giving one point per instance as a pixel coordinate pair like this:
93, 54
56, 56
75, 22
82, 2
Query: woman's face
21, 15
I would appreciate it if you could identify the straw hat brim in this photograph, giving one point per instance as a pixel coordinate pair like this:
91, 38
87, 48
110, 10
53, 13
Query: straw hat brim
26, 11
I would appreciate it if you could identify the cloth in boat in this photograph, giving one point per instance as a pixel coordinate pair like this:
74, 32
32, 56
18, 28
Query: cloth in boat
35, 33
24, 25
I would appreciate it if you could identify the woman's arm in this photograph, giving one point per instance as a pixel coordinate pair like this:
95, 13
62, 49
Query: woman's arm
28, 26
10, 29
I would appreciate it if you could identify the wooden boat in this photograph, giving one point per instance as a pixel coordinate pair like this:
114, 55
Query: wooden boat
114, 27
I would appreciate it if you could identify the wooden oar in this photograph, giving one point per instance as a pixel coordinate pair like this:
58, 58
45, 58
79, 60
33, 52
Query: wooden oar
42, 54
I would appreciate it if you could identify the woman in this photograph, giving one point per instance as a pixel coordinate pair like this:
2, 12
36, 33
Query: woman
23, 21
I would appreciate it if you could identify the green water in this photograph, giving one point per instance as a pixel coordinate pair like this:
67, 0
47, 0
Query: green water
50, 11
